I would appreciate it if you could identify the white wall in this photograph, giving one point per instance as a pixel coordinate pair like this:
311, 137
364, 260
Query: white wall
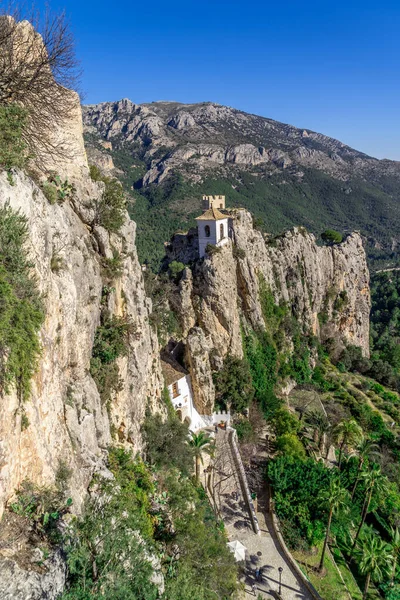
184, 403
215, 234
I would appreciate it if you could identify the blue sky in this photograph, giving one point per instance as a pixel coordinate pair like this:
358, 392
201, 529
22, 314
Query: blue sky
328, 66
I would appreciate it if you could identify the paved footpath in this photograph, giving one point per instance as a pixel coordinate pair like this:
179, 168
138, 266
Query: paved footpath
263, 551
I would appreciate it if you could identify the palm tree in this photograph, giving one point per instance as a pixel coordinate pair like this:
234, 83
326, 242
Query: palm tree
374, 482
365, 449
199, 442
395, 544
337, 498
320, 424
347, 432
375, 559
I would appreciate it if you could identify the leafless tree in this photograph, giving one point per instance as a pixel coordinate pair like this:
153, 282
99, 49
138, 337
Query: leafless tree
38, 70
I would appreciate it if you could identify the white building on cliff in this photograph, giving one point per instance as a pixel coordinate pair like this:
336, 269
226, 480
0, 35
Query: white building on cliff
177, 381
212, 225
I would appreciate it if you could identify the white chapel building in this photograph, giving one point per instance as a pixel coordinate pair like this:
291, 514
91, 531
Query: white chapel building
212, 225
177, 380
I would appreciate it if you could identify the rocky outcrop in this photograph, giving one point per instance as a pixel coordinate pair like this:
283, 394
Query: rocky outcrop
29, 569
102, 160
310, 278
55, 117
67, 421
45, 583
326, 289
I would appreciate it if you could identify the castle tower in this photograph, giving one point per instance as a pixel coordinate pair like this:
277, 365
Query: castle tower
213, 202
212, 225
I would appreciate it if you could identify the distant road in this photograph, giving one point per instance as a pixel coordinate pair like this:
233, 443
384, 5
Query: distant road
388, 270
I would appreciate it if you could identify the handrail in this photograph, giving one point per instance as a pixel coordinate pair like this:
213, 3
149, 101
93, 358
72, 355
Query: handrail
243, 479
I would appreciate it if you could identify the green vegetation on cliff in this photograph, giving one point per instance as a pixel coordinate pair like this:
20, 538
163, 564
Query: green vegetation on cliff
12, 146
21, 308
385, 317
145, 526
110, 342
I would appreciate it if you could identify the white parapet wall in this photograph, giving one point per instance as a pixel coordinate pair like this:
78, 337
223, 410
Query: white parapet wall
221, 417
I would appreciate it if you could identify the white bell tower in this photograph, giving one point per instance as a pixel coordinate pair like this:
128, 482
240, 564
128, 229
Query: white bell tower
212, 225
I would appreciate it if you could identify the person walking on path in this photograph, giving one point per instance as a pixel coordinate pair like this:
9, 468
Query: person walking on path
257, 574
254, 589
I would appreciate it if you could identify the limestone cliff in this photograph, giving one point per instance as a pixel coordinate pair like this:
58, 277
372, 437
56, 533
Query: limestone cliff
67, 419
326, 288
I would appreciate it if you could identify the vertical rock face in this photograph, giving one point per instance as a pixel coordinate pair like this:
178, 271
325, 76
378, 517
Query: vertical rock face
327, 289
67, 421
317, 281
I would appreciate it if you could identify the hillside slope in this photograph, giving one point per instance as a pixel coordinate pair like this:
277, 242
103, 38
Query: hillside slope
168, 154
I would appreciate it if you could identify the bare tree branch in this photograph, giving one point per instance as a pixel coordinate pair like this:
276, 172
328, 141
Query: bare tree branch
38, 70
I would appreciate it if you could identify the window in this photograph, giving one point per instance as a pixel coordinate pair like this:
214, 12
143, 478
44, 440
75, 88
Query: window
221, 231
221, 206
175, 390
207, 231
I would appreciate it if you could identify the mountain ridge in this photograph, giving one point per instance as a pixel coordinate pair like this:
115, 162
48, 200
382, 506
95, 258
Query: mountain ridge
170, 153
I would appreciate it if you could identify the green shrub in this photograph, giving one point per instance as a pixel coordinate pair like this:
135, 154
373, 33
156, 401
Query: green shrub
21, 310
167, 443
24, 421
63, 475
297, 485
262, 358
50, 192
323, 317
233, 384
341, 301
211, 249
108, 547
175, 269
64, 188
95, 173
112, 268
43, 507
56, 263
284, 422
258, 223
273, 313
142, 512
238, 252
289, 444
331, 236
161, 290
244, 430
12, 146
110, 342
111, 206
56, 190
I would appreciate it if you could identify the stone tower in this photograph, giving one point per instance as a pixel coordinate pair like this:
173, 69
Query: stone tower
213, 202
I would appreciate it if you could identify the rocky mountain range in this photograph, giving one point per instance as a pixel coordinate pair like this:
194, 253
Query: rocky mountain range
169, 153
